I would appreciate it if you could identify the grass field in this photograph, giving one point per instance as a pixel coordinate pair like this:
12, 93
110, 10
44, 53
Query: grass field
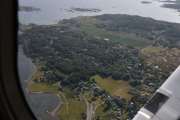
103, 115
36, 85
43, 87
166, 59
152, 50
114, 87
89, 27
72, 107
72, 110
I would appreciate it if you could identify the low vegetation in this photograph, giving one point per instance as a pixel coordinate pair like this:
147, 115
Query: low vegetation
118, 88
43, 87
72, 109
113, 63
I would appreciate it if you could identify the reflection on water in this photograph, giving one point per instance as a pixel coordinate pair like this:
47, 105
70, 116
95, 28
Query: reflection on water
54, 10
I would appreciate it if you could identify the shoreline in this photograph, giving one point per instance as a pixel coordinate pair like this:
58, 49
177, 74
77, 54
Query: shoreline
27, 82
70, 11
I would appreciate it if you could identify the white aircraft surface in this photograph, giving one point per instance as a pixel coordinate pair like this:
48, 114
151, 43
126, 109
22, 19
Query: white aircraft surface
165, 103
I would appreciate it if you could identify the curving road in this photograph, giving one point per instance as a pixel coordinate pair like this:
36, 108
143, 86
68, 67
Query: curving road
90, 109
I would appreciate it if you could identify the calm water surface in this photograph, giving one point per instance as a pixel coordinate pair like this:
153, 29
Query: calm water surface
25, 67
39, 103
54, 10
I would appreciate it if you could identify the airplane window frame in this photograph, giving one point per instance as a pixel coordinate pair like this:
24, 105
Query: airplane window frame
12, 101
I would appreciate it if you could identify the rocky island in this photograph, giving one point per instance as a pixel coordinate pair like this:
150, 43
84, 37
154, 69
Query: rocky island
102, 67
28, 9
173, 4
84, 10
146, 2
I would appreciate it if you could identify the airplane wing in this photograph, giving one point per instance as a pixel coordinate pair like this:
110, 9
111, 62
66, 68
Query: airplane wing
165, 103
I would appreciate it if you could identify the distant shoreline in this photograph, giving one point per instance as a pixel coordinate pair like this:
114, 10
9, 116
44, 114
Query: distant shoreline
83, 10
171, 4
28, 9
146, 2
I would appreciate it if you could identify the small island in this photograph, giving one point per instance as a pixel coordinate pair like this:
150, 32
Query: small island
172, 4
146, 2
28, 9
84, 10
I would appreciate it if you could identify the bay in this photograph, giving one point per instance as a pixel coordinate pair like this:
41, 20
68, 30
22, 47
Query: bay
54, 10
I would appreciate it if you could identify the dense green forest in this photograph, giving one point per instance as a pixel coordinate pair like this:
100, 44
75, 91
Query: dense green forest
93, 59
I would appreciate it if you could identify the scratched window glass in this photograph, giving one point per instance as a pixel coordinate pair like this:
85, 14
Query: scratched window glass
95, 59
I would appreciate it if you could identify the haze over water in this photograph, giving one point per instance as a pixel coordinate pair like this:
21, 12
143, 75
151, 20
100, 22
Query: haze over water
54, 10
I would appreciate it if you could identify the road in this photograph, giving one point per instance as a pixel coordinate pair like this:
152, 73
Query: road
90, 109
